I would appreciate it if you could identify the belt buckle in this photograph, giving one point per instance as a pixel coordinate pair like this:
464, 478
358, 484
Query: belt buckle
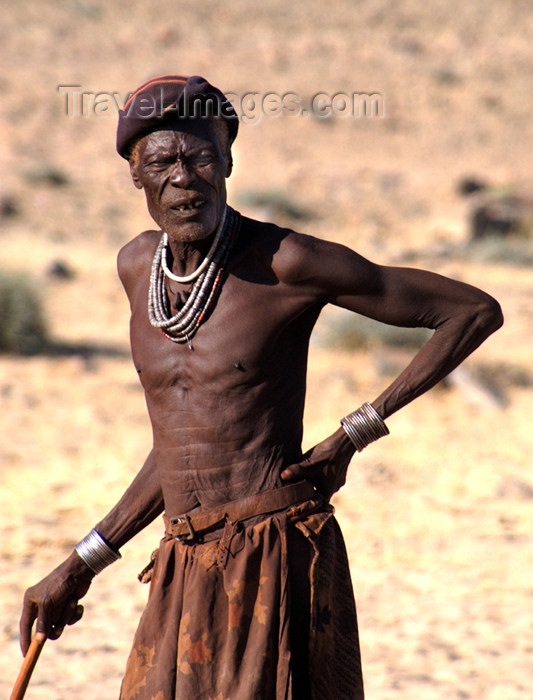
189, 536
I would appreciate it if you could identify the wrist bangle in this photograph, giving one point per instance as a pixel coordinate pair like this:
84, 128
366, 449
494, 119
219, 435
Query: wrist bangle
95, 552
364, 426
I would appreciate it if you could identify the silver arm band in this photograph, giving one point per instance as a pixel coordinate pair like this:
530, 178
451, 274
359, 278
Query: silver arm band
95, 552
364, 426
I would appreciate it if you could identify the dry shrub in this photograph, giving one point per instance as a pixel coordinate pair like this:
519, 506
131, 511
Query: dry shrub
276, 203
515, 251
355, 332
22, 324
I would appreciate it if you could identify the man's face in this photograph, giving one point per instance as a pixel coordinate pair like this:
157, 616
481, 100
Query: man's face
183, 174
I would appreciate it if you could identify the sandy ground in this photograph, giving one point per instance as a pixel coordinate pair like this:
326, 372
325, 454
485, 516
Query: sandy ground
438, 516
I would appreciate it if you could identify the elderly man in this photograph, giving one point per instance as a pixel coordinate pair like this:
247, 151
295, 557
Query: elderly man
250, 595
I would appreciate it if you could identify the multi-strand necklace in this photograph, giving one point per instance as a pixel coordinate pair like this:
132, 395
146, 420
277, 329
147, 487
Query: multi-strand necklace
181, 327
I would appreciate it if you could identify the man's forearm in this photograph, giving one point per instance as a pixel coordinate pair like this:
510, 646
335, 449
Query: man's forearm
450, 344
54, 600
141, 503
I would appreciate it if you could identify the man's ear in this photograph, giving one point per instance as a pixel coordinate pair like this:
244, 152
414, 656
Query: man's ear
134, 173
230, 164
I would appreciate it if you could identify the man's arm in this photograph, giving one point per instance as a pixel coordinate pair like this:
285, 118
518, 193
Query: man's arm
138, 507
461, 316
53, 602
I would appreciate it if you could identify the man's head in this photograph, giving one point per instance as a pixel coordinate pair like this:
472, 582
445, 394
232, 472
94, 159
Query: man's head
171, 100
177, 134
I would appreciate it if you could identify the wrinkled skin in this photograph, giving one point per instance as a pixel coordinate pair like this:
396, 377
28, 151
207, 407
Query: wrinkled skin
177, 168
55, 599
227, 416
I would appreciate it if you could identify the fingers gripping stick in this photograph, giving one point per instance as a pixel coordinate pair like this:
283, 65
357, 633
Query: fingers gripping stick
29, 663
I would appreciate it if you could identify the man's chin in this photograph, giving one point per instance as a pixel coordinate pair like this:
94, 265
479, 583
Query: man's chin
190, 229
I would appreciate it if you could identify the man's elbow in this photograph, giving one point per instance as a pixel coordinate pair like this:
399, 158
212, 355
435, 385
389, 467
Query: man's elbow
489, 316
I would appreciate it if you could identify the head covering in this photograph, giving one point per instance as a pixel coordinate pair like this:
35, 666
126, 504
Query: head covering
162, 102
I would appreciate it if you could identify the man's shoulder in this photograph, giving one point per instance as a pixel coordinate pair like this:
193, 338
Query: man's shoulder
137, 254
142, 245
291, 254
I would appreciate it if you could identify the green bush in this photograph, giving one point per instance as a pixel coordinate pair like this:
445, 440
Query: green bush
22, 325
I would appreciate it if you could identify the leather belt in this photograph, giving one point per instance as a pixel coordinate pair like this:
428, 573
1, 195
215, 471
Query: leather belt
189, 525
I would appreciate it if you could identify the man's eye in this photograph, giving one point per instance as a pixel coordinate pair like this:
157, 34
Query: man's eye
201, 160
160, 163
204, 159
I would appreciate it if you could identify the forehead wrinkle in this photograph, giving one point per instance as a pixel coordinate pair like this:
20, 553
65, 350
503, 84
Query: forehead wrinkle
216, 134
170, 140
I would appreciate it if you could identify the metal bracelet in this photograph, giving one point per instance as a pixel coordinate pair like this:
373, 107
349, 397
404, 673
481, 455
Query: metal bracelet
95, 552
364, 426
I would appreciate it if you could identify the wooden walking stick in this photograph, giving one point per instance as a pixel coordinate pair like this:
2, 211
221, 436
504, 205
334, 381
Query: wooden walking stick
30, 660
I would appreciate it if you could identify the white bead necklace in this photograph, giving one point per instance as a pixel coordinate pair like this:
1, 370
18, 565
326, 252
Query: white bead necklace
181, 327
205, 262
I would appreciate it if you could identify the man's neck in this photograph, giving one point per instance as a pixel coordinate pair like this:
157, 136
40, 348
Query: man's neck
185, 257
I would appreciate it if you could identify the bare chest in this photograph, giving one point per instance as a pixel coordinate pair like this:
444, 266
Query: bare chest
254, 333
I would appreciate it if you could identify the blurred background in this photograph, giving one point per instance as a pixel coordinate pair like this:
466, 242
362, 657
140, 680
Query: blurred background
438, 516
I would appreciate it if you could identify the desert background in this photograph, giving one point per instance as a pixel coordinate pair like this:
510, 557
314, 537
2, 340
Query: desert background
438, 516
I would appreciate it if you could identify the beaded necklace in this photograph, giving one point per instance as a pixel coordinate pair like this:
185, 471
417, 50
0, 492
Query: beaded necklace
205, 262
181, 327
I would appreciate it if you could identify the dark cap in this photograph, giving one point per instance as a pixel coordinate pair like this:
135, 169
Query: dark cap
162, 102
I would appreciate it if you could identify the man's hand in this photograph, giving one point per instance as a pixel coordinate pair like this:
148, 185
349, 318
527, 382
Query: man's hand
325, 464
53, 602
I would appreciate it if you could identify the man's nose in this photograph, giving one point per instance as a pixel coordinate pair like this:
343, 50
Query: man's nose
182, 175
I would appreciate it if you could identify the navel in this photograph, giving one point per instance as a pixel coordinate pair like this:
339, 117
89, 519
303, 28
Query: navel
238, 365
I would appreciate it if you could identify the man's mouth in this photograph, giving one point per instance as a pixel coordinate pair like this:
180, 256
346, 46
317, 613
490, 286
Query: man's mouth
189, 206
